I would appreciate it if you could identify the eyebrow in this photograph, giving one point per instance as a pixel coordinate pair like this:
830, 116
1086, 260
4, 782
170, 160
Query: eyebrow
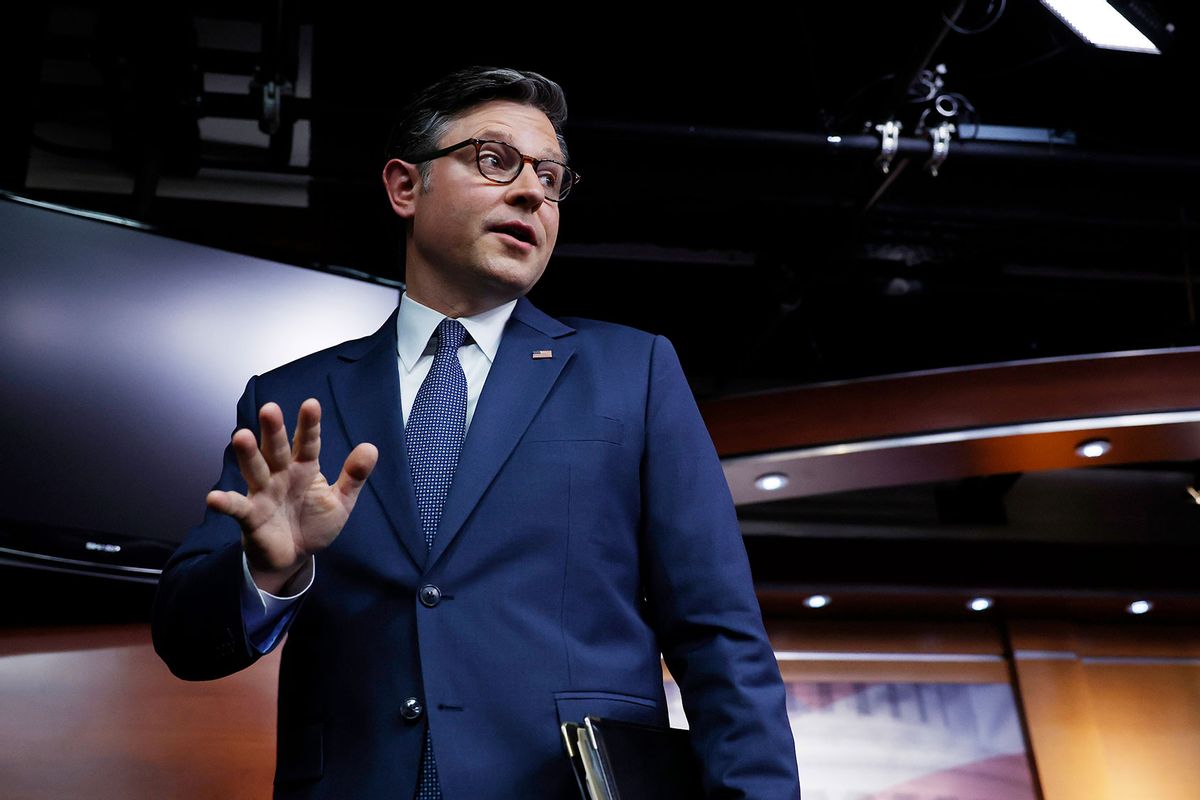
501, 136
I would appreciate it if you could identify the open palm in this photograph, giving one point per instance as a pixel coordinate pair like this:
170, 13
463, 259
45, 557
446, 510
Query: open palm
289, 511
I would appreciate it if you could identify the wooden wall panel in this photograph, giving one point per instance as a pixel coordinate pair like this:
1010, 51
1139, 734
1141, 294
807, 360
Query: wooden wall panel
950, 399
1113, 711
842, 650
104, 722
893, 636
1062, 729
865, 671
1148, 716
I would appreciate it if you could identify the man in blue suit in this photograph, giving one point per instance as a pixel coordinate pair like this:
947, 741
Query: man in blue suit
583, 526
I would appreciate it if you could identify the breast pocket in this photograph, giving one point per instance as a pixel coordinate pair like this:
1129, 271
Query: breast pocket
581, 428
593, 470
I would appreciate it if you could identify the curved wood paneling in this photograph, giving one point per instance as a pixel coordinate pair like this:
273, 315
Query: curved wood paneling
970, 397
951, 424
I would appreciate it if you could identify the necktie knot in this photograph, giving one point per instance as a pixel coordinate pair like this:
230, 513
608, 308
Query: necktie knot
451, 335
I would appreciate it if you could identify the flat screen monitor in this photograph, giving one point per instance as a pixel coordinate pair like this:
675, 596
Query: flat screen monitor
123, 353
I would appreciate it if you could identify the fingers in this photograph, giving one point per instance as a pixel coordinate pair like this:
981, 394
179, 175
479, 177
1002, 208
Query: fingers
355, 472
231, 503
274, 439
250, 461
307, 442
273, 453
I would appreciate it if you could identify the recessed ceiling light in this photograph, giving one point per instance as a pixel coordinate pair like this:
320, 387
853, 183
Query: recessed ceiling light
1093, 448
980, 604
817, 601
771, 482
1139, 607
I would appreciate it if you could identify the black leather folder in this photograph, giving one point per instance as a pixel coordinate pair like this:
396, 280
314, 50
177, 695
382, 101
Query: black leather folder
616, 760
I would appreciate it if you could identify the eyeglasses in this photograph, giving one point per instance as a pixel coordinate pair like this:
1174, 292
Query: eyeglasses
502, 163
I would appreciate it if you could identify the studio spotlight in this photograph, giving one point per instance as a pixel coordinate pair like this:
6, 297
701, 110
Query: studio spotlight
1120, 25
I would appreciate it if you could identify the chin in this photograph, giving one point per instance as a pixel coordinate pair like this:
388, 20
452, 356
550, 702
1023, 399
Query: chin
514, 284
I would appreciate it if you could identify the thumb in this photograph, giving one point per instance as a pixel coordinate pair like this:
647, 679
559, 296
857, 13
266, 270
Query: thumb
358, 467
230, 503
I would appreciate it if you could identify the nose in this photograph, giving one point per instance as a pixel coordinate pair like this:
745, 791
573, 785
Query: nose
526, 191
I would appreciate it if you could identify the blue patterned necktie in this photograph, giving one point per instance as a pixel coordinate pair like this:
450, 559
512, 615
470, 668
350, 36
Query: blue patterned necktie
434, 436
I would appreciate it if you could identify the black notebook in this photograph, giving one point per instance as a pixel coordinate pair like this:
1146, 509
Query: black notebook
616, 760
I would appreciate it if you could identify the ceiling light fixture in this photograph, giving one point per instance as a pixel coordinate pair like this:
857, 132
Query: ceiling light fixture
980, 604
1093, 448
1139, 607
1100, 24
771, 482
817, 601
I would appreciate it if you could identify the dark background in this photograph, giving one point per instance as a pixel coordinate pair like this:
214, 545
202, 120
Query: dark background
713, 208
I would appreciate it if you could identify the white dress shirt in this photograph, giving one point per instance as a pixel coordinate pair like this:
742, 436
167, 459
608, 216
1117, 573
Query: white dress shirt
265, 614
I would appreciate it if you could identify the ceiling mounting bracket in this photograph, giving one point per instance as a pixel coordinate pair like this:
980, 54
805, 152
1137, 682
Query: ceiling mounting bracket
889, 143
940, 137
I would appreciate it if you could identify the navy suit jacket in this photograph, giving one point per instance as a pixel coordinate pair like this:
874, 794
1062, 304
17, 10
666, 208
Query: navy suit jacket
588, 528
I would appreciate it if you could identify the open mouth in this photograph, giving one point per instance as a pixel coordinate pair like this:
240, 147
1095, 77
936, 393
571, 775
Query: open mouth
519, 231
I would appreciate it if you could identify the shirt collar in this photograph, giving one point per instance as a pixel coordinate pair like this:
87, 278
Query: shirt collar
416, 323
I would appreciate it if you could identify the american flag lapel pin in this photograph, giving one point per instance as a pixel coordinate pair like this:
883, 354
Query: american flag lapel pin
543, 354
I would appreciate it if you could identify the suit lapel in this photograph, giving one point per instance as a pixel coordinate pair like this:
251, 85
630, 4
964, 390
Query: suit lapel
516, 387
367, 393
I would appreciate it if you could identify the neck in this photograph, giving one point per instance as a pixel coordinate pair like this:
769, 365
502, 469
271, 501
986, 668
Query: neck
450, 303
431, 288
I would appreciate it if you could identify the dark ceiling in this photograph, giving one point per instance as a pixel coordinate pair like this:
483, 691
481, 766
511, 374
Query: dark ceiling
714, 210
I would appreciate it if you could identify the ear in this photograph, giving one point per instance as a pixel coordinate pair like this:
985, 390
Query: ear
402, 181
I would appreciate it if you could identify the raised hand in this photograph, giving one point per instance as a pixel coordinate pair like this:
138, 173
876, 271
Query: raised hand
290, 511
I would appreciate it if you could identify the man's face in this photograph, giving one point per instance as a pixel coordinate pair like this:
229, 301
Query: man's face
486, 242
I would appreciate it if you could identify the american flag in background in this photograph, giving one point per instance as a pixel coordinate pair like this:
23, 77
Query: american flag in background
903, 741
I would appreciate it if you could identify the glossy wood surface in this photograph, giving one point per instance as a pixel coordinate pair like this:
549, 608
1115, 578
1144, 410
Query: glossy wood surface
970, 397
93, 713
1113, 711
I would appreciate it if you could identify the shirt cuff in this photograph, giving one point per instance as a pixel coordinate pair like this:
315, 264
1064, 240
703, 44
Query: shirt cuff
270, 601
265, 615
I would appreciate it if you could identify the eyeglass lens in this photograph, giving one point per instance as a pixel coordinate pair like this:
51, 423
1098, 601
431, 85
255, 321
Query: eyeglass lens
501, 162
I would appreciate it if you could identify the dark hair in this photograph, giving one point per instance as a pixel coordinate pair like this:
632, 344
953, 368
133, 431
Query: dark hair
431, 111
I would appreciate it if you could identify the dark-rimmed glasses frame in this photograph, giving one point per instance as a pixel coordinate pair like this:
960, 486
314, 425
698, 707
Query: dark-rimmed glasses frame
570, 176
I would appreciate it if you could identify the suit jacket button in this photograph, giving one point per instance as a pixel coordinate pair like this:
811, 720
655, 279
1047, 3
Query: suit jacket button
411, 709
430, 595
